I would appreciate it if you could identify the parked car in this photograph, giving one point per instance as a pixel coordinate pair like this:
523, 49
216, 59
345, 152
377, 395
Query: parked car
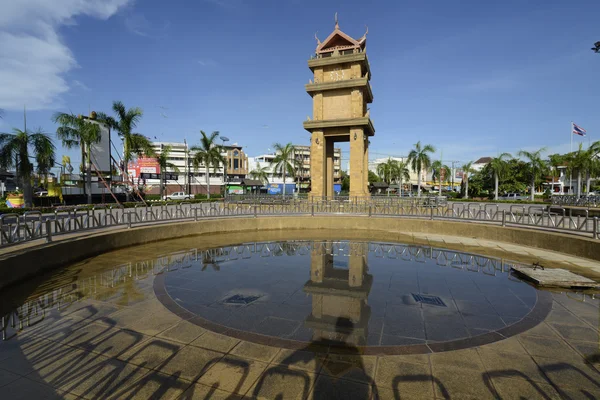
177, 196
513, 196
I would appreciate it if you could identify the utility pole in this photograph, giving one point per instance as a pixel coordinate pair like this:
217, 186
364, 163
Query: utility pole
453, 172
186, 179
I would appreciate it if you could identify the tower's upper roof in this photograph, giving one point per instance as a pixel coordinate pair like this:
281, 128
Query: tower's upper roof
338, 40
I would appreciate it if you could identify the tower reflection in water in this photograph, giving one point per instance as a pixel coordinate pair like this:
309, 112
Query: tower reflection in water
339, 321
340, 312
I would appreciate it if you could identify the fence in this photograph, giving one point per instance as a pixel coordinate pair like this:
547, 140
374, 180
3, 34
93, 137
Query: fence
572, 200
33, 225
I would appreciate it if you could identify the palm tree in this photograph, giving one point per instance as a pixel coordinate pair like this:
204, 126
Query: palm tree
593, 170
419, 160
208, 154
555, 161
579, 161
162, 159
124, 125
79, 132
467, 169
260, 173
387, 171
439, 170
284, 163
536, 166
403, 174
15, 152
499, 166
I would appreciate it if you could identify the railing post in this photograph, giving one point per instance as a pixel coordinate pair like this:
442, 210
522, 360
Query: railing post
48, 231
595, 225
129, 220
255, 212
431, 215
196, 213
370, 209
312, 209
503, 217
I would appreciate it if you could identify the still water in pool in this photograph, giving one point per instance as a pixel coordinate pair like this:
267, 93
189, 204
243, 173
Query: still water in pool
386, 294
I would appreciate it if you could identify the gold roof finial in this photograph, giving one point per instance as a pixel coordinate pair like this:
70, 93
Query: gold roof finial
318, 41
337, 25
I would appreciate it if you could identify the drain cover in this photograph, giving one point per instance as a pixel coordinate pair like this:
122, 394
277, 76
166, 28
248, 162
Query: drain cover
240, 299
427, 299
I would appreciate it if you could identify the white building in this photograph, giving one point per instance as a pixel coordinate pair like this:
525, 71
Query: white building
189, 179
481, 163
302, 178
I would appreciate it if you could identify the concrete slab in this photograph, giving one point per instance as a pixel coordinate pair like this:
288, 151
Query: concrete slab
555, 277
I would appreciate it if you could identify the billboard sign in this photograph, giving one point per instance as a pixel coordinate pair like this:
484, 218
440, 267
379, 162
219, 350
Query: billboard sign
101, 151
143, 166
274, 188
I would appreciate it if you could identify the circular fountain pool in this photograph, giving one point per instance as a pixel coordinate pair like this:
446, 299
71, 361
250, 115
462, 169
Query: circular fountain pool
383, 296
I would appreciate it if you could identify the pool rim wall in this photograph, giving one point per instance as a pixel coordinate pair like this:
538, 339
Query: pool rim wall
29, 260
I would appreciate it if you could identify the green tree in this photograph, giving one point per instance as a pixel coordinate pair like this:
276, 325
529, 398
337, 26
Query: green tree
66, 161
15, 151
440, 171
555, 161
467, 170
373, 177
516, 179
536, 166
208, 154
162, 159
284, 162
580, 162
499, 167
403, 174
76, 131
124, 124
345, 181
388, 170
476, 184
260, 173
419, 160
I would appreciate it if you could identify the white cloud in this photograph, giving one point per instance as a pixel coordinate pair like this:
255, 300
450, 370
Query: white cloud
81, 85
207, 63
137, 24
34, 60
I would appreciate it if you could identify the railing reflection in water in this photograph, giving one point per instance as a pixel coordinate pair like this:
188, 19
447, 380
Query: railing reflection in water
37, 307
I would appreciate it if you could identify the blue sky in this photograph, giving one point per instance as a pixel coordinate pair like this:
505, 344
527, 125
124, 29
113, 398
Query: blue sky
472, 77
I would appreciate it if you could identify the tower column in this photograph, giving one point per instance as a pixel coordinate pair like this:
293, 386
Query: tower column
358, 174
366, 168
317, 164
329, 170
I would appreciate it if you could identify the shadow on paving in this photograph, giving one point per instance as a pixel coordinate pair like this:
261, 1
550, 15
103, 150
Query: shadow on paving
97, 361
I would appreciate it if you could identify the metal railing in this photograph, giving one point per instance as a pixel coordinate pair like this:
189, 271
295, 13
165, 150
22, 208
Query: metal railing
33, 225
573, 200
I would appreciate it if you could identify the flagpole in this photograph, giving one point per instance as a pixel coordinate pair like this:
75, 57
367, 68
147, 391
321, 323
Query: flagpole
570, 151
571, 134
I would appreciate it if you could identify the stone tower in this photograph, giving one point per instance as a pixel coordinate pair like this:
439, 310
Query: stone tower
340, 91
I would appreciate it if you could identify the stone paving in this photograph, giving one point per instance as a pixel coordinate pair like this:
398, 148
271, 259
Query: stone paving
121, 342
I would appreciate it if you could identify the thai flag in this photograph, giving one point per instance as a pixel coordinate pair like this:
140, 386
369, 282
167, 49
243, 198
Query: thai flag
578, 130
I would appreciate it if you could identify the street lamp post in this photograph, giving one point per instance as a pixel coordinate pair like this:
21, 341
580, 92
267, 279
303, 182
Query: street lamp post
223, 140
